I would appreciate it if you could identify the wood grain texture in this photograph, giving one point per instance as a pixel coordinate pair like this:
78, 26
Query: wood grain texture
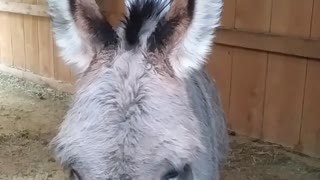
220, 67
295, 46
5, 40
284, 99
310, 131
247, 91
46, 48
228, 14
315, 28
31, 40
23, 7
292, 17
17, 39
253, 15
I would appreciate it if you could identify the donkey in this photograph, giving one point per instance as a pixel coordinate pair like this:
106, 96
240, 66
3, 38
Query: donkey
144, 107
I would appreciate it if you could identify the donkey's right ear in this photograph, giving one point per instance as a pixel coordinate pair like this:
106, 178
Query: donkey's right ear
80, 30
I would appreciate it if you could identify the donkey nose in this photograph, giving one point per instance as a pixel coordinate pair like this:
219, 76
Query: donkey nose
125, 177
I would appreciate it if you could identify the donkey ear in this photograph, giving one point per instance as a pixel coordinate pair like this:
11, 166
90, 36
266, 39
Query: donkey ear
80, 31
195, 44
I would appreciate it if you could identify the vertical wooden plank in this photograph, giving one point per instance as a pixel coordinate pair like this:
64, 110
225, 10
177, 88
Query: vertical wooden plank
5, 39
220, 67
31, 41
286, 75
228, 14
249, 70
46, 54
17, 39
291, 17
284, 99
247, 91
315, 31
310, 131
46, 48
253, 15
46, 60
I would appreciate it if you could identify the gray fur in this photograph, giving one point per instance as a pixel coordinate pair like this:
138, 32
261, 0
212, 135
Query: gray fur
128, 121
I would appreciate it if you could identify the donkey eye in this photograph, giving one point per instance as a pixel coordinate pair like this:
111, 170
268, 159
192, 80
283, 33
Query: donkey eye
171, 175
74, 175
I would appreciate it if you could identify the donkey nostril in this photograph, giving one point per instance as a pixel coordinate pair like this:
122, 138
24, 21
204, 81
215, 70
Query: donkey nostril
125, 177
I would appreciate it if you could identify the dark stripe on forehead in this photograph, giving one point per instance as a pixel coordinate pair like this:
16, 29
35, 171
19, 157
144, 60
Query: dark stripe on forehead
139, 13
102, 30
191, 7
163, 32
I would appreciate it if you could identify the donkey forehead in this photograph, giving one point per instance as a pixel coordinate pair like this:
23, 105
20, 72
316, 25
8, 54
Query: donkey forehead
100, 127
124, 150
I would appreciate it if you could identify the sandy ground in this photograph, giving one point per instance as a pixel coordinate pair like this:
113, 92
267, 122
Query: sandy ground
30, 115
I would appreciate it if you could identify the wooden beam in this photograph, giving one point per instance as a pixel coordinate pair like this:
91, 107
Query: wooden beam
23, 8
294, 46
44, 81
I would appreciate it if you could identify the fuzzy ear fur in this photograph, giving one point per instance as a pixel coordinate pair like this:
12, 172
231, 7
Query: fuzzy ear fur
80, 31
182, 29
195, 45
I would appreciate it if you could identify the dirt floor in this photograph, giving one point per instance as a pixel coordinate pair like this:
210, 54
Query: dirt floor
30, 115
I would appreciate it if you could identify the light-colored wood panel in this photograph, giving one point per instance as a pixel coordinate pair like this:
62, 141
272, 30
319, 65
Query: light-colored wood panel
17, 39
284, 98
295, 46
31, 40
220, 67
310, 133
23, 8
315, 30
228, 14
247, 91
5, 39
292, 17
46, 48
253, 15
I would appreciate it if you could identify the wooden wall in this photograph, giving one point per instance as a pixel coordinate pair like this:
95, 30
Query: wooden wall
267, 66
26, 43
265, 61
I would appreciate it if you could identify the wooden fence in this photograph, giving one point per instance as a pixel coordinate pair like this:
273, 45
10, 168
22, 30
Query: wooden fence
265, 61
267, 66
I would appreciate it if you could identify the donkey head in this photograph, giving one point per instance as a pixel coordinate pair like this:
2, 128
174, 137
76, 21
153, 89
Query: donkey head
131, 117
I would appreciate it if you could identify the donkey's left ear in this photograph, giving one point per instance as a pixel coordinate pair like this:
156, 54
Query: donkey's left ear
80, 30
197, 41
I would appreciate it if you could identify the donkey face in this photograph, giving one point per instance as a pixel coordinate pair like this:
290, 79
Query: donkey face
131, 116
